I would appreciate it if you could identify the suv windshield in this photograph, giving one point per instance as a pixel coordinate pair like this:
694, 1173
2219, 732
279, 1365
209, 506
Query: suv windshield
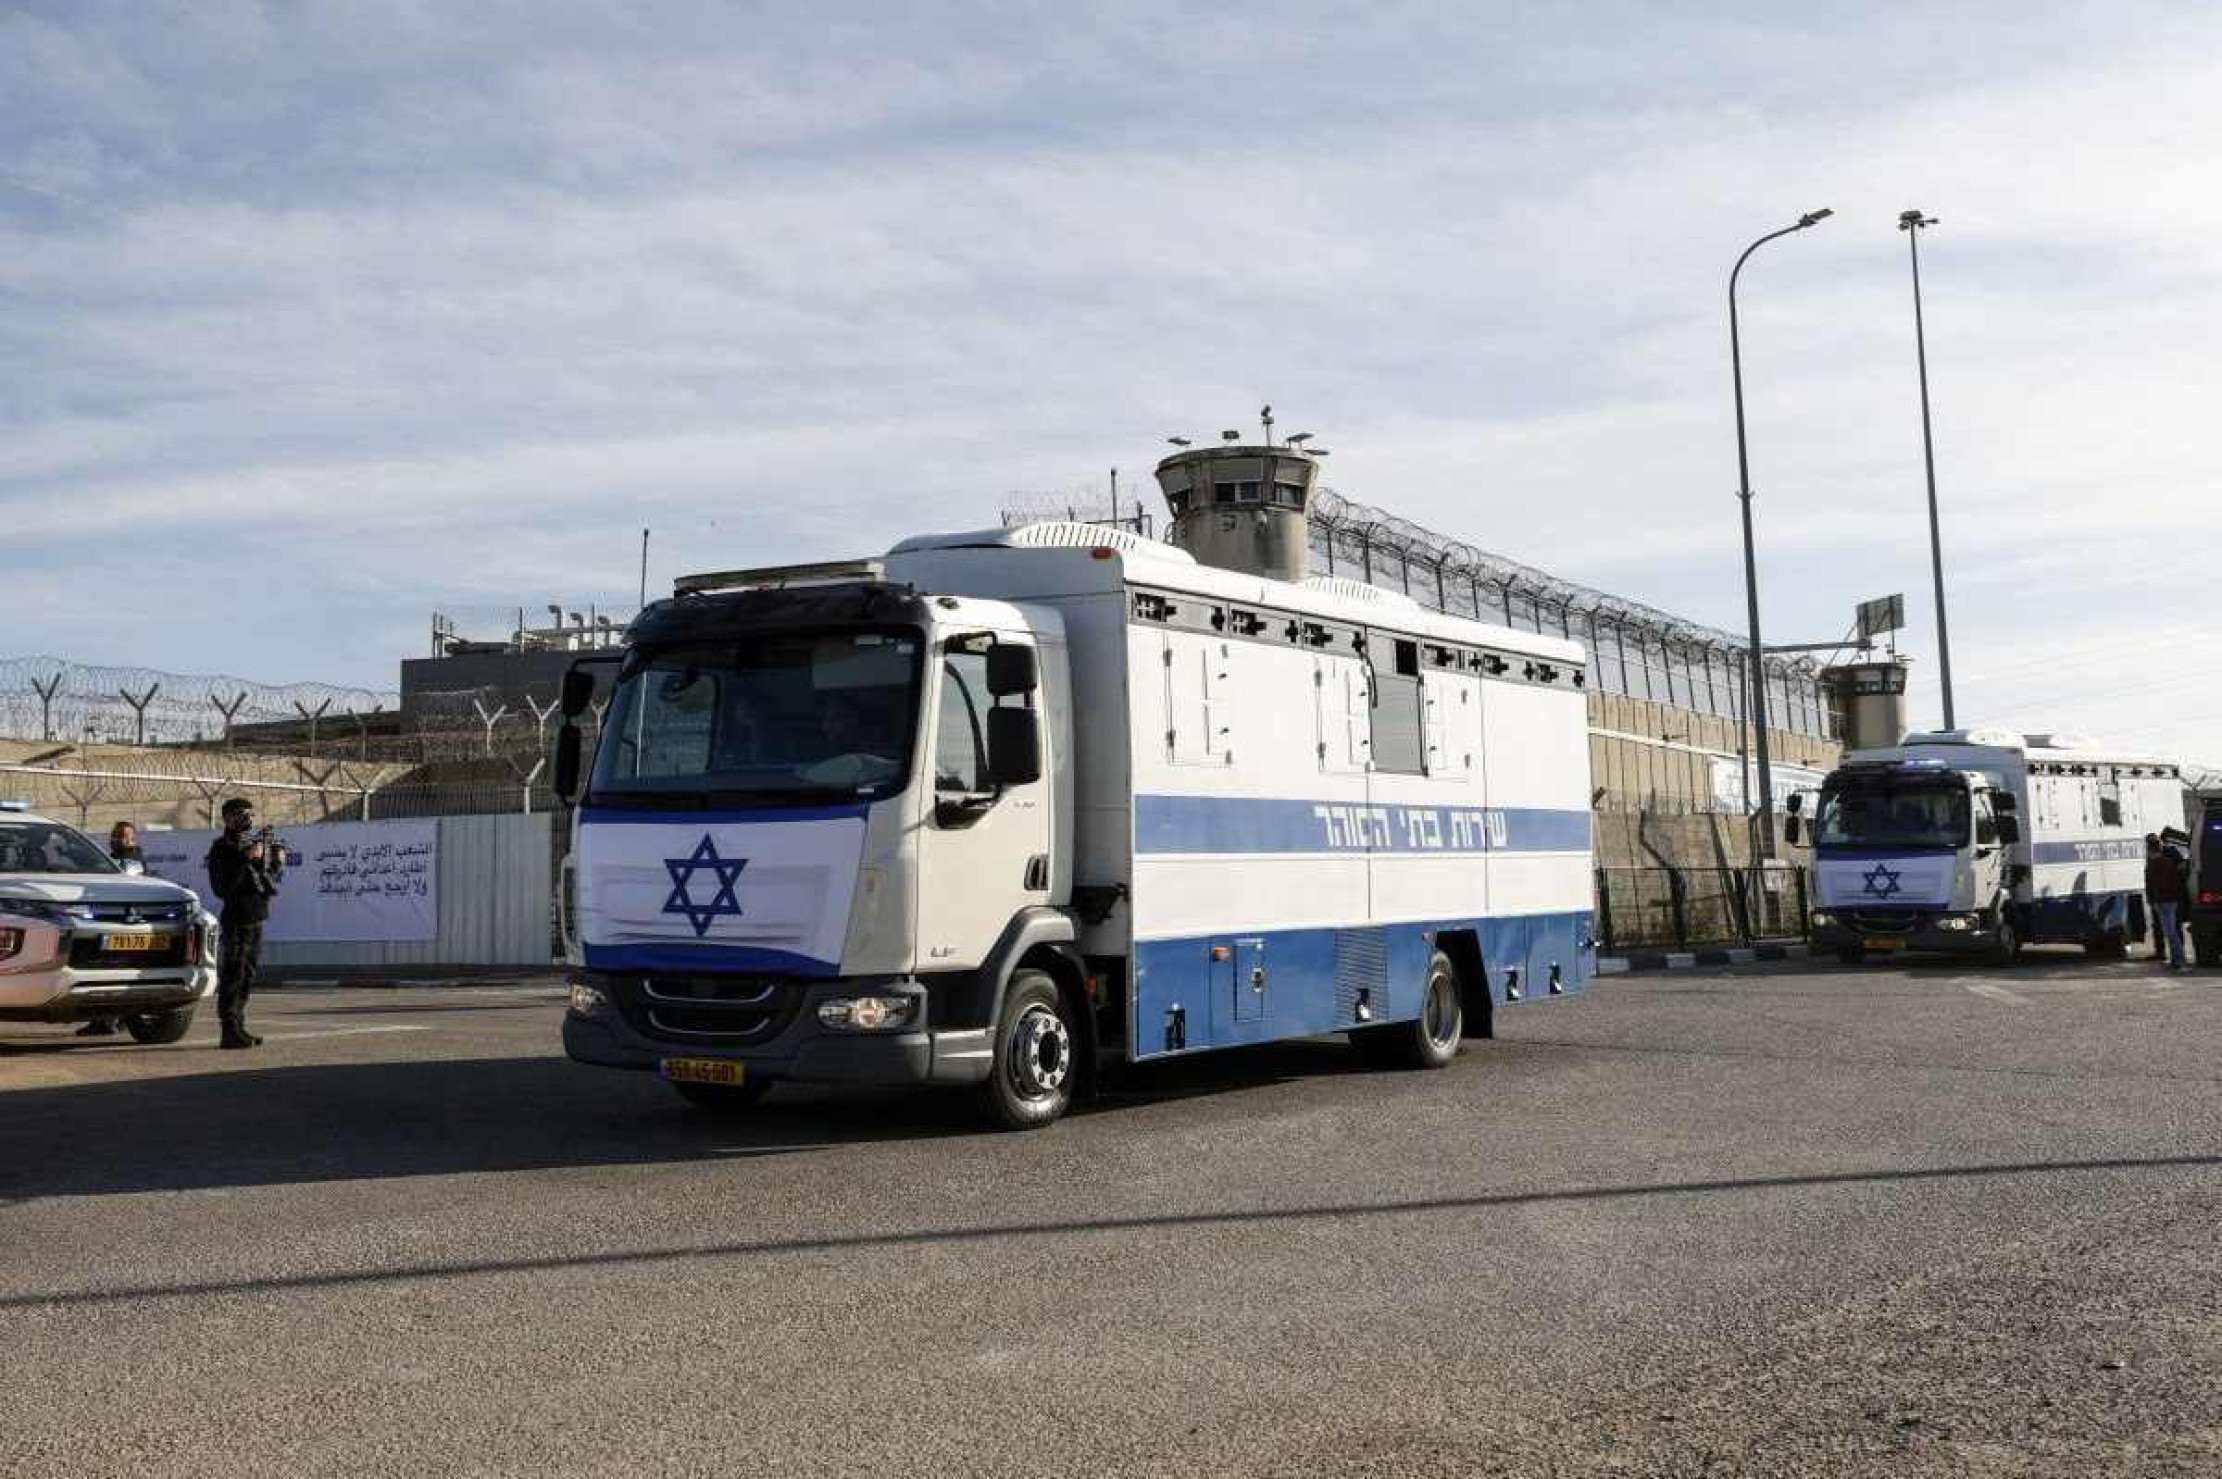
774, 718
1894, 816
44, 847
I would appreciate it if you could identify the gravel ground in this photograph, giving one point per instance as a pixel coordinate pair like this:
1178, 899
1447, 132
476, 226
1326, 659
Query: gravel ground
1766, 1221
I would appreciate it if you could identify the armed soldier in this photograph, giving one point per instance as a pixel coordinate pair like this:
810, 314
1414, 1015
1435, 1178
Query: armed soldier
243, 869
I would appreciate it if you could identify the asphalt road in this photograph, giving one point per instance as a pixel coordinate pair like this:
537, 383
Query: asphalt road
1762, 1221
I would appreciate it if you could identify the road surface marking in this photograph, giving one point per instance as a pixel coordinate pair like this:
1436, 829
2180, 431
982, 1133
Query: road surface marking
1998, 993
347, 1032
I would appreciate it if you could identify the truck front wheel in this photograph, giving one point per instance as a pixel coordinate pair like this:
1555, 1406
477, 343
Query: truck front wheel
2006, 944
1032, 1081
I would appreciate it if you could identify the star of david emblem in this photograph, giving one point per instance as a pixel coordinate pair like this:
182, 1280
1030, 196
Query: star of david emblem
1881, 881
727, 872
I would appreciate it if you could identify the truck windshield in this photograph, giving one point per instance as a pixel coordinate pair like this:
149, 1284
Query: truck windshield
775, 719
43, 847
1894, 816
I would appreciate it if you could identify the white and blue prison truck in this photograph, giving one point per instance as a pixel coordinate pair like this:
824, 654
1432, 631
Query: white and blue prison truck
1982, 841
1005, 806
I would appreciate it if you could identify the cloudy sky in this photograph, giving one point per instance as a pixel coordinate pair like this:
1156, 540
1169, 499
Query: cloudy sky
317, 318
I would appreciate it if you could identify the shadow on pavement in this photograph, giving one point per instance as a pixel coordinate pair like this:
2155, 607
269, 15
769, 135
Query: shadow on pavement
434, 1117
918, 1237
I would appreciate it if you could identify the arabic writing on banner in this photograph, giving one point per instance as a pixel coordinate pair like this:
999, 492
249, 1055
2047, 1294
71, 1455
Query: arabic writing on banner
342, 881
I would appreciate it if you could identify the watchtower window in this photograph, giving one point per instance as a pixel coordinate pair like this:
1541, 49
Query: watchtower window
1235, 492
1288, 495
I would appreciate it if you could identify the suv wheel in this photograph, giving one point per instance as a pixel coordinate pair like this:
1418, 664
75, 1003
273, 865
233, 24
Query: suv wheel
159, 1027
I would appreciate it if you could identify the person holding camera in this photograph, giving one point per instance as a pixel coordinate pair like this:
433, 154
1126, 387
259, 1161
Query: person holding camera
243, 868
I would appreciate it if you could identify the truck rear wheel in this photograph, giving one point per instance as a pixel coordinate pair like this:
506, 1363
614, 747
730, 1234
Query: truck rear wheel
153, 1028
1429, 1041
1032, 1081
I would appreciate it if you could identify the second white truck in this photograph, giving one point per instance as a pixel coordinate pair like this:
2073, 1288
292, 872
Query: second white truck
1982, 841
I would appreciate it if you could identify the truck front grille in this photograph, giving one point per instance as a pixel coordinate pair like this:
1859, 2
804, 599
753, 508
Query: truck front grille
732, 1010
1882, 921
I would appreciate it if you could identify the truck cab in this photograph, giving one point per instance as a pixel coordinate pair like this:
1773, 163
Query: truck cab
1914, 854
825, 836
2205, 914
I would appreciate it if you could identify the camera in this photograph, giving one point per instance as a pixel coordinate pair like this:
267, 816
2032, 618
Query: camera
274, 854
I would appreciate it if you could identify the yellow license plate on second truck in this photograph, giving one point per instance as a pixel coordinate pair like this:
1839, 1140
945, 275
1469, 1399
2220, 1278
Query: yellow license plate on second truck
144, 941
702, 1071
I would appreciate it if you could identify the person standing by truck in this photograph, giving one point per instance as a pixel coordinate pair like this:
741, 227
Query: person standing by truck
2165, 891
244, 876
123, 847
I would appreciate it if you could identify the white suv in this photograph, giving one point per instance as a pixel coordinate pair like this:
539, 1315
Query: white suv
83, 937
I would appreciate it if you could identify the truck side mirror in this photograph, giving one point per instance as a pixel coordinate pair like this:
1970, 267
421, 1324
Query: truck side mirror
1014, 746
2005, 801
1011, 670
1793, 827
2009, 828
1795, 804
578, 692
567, 751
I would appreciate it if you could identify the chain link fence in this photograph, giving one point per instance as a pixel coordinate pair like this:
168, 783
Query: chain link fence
1676, 908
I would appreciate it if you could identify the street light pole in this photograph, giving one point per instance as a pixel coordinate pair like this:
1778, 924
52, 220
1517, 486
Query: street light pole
1911, 223
1757, 663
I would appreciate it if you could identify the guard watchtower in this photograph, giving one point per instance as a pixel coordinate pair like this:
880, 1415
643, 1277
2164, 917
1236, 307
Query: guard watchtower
1244, 506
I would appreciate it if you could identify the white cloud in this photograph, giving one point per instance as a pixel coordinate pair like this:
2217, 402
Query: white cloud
432, 306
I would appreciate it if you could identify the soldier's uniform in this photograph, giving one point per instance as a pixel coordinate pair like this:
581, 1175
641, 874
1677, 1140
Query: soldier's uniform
244, 885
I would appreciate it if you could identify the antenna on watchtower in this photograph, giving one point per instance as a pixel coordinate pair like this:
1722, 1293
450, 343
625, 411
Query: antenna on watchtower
1266, 415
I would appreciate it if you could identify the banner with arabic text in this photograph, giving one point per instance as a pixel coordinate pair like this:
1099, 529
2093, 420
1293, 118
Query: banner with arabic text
342, 880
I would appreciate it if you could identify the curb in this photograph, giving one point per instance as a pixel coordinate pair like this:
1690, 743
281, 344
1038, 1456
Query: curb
1684, 960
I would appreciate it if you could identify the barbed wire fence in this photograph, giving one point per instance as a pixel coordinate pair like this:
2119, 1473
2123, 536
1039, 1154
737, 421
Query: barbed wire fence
1360, 542
52, 700
89, 741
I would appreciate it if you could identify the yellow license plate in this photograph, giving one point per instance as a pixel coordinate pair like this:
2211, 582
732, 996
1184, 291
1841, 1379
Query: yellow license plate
132, 942
703, 1071
1886, 943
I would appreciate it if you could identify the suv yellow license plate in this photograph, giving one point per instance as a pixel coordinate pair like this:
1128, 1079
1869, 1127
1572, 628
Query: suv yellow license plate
1885, 944
703, 1071
148, 941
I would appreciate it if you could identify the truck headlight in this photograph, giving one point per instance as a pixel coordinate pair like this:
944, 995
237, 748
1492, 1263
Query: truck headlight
867, 1013
11, 940
586, 1000
1822, 919
1956, 922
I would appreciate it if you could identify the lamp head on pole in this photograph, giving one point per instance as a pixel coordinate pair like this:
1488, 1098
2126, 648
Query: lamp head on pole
1912, 220
1814, 218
